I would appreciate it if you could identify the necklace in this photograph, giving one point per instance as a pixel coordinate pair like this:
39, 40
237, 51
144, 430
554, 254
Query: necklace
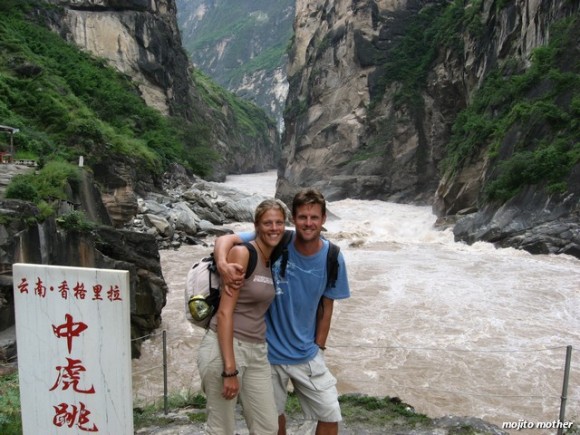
266, 259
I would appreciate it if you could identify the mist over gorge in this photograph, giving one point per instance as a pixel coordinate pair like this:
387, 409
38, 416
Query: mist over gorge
242, 45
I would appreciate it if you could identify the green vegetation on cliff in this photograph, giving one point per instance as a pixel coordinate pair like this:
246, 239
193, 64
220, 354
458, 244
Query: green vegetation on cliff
253, 42
528, 120
54, 178
525, 119
67, 104
249, 118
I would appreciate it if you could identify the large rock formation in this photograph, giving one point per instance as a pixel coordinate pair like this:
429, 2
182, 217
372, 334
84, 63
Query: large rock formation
363, 122
104, 247
347, 137
332, 141
141, 39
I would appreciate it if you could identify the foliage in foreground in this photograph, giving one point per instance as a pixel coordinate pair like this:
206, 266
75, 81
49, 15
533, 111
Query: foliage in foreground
10, 422
379, 411
151, 415
355, 408
371, 411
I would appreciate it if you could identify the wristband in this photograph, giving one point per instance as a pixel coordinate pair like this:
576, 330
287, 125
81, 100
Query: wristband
230, 375
323, 348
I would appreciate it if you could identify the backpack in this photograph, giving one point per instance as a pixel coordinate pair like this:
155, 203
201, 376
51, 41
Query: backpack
331, 259
202, 288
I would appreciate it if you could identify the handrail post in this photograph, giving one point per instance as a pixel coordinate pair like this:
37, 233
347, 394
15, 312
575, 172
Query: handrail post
165, 372
564, 390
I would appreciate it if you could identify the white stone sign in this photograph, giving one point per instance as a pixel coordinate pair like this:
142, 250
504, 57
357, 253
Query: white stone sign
74, 349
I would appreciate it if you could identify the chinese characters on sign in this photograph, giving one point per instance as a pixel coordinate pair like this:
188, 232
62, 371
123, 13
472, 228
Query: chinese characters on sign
70, 375
74, 323
78, 291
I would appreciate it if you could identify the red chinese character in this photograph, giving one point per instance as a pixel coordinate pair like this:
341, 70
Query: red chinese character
40, 289
76, 415
97, 289
23, 286
70, 375
69, 329
79, 290
114, 293
63, 289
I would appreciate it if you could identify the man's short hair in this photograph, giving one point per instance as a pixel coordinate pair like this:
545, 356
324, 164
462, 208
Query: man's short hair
308, 196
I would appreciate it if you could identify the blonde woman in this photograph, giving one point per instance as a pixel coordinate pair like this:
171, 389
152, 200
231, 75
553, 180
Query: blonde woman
233, 356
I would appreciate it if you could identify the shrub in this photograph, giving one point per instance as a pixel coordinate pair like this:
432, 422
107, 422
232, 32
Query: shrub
75, 221
540, 104
21, 188
10, 421
48, 184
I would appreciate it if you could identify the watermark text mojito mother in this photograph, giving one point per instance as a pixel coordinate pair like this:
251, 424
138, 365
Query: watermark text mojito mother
525, 424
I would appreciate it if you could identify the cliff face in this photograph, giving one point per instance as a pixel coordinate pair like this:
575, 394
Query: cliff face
242, 45
140, 38
336, 141
363, 122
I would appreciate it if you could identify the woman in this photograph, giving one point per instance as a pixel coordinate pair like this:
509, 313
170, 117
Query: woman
233, 355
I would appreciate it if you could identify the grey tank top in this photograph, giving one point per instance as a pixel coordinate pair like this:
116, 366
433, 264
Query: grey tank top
255, 298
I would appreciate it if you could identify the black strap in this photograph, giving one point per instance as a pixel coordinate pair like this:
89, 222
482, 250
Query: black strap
212, 269
252, 261
332, 264
281, 250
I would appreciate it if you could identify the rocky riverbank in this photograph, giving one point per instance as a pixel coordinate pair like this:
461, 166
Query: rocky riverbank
362, 416
180, 423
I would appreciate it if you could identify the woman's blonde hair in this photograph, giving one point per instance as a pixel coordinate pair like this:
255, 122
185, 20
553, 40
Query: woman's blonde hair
269, 204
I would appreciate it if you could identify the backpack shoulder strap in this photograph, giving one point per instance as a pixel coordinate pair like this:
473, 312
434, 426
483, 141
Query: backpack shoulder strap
253, 260
281, 250
332, 264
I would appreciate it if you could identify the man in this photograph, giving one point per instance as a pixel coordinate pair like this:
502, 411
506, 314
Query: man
298, 320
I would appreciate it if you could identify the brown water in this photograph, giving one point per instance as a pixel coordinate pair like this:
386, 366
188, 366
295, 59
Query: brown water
448, 328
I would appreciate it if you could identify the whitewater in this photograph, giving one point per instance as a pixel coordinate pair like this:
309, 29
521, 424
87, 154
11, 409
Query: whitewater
449, 328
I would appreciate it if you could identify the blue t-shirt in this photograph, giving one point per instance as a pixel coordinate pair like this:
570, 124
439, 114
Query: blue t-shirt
291, 318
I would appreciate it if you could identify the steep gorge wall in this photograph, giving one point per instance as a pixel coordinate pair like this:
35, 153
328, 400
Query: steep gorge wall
354, 129
139, 38
346, 132
331, 140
